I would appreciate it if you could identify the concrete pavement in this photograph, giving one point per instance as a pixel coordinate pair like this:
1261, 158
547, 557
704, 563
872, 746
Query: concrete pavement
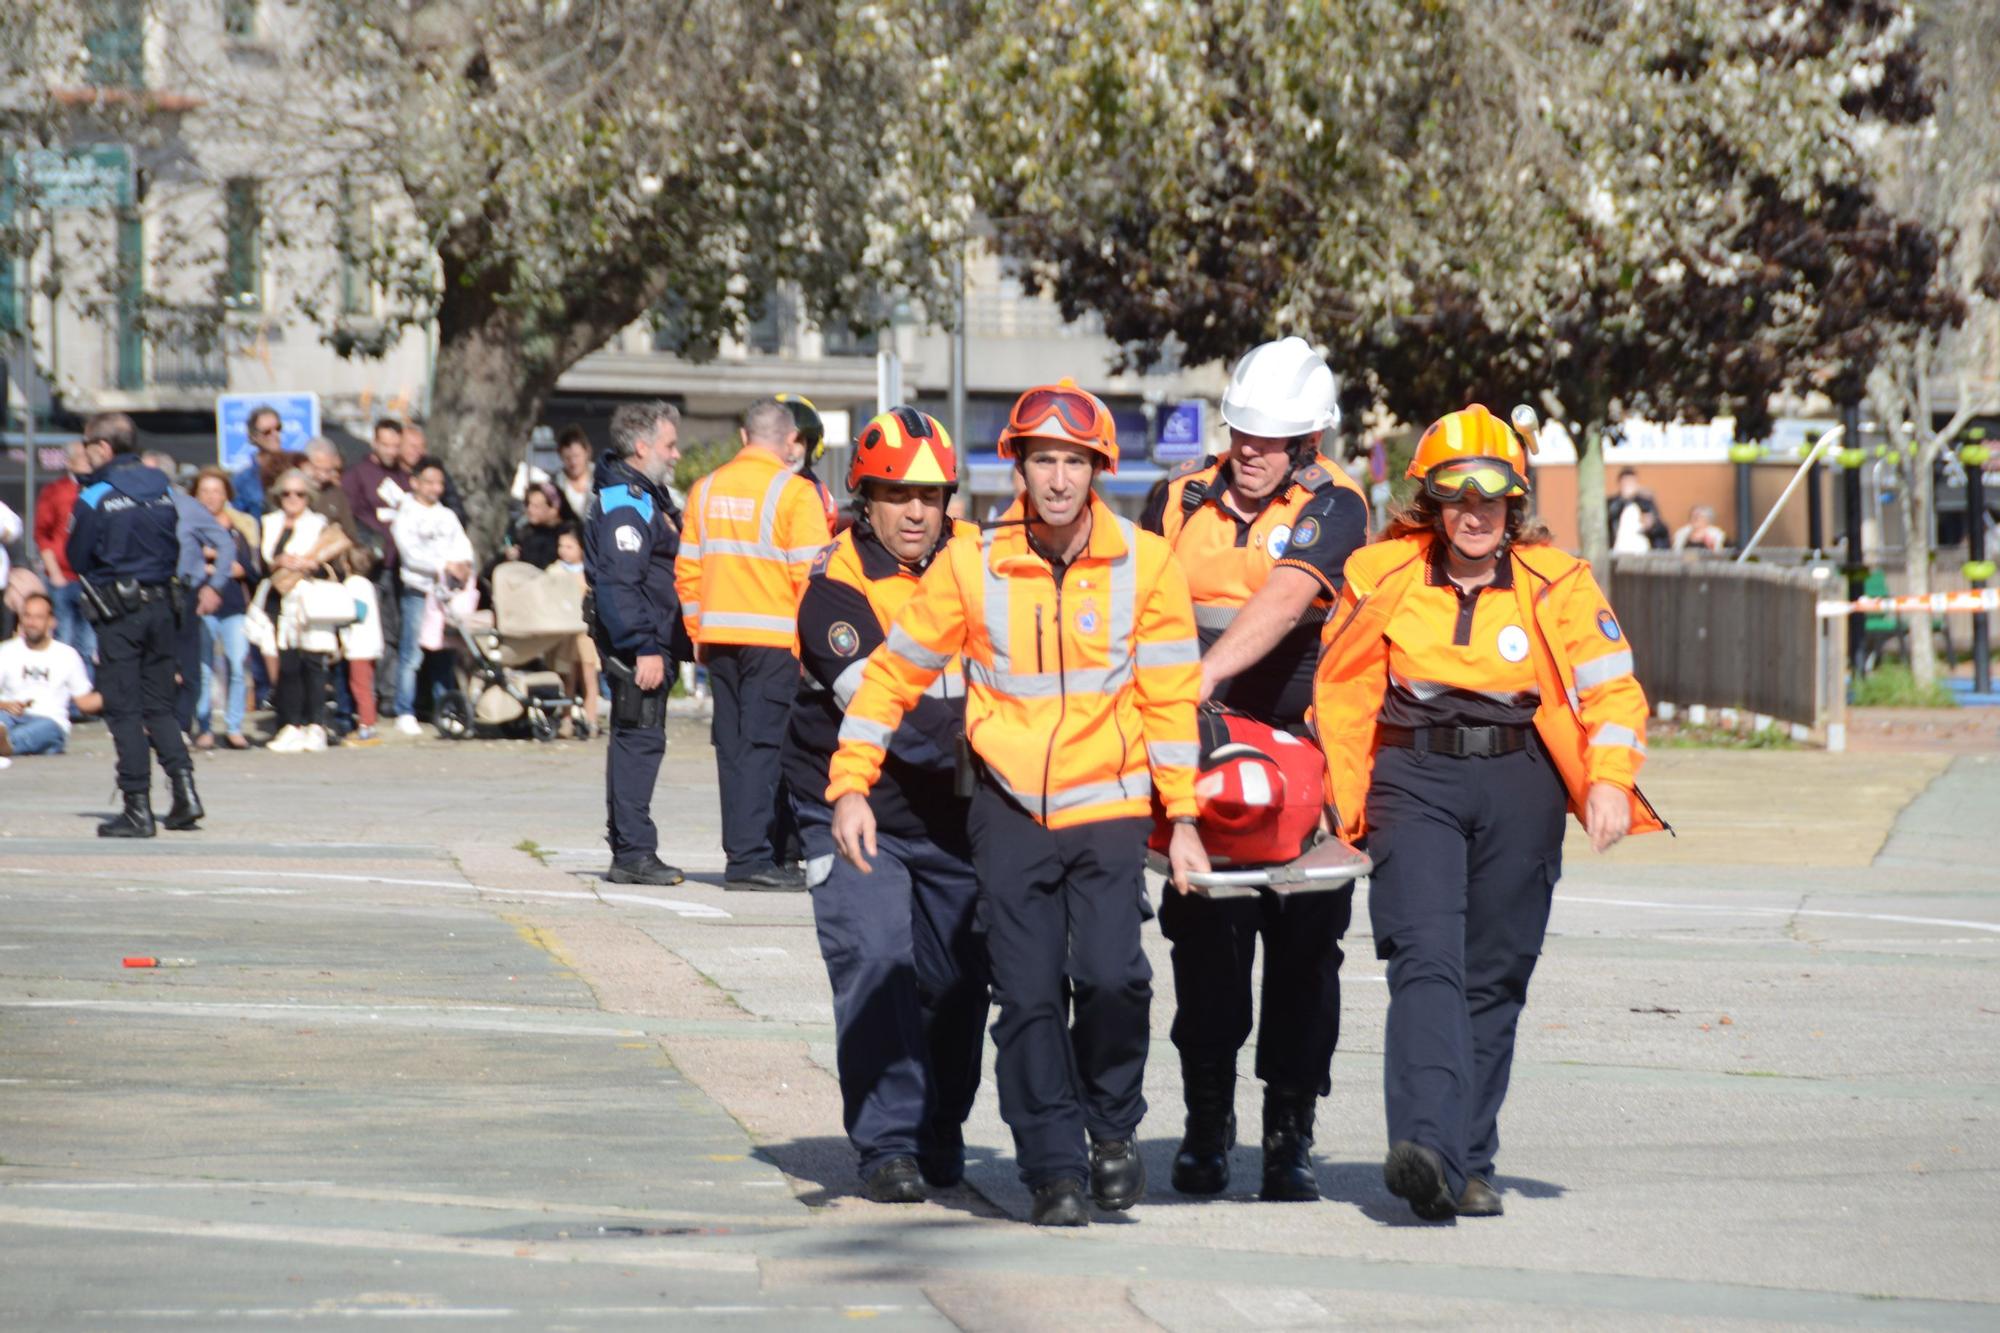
424, 1064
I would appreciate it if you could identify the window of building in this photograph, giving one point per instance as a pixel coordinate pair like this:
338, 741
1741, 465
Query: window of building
242, 20
243, 236
115, 36
355, 239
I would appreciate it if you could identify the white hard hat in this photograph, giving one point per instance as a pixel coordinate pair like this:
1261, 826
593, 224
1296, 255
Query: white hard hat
1281, 389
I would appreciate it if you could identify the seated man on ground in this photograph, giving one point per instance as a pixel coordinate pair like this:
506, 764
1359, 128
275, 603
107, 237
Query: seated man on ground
39, 679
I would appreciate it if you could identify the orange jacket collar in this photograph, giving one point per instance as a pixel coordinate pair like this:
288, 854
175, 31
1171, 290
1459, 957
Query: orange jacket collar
1010, 536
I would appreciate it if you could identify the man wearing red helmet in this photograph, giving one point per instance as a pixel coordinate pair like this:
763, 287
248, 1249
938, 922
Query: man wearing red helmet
907, 971
1077, 639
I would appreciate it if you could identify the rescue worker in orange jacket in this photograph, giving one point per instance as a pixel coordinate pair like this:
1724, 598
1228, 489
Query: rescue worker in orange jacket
907, 968
1081, 668
1262, 535
752, 529
1474, 685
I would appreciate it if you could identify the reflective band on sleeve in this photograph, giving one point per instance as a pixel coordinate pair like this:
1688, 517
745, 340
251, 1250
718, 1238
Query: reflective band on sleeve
800, 555
905, 646
1047, 684
691, 609
950, 685
1617, 734
1215, 617
848, 681
748, 620
1600, 670
692, 550
996, 606
866, 730
767, 514
1124, 595
1169, 652
1173, 754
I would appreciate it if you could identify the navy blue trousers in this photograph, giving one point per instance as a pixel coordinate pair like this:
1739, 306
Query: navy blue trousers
631, 769
753, 689
1467, 853
909, 978
1062, 909
1215, 942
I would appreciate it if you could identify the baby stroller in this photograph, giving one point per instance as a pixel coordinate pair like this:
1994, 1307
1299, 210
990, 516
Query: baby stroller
502, 684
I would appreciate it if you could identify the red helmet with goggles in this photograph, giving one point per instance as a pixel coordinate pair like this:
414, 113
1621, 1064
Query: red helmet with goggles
1061, 413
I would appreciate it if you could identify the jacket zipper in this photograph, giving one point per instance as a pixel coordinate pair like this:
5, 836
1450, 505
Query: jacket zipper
1062, 693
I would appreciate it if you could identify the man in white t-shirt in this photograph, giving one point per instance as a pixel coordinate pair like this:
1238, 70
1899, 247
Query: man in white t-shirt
39, 680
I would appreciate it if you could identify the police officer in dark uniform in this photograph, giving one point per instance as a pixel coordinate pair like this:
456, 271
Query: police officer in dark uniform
631, 534
125, 548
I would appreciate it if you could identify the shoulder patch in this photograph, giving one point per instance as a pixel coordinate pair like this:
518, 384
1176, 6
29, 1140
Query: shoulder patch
1186, 467
1313, 477
823, 559
1607, 625
843, 639
629, 539
613, 498
1304, 535
93, 495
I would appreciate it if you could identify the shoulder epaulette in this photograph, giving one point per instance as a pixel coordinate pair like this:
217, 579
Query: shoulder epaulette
1313, 477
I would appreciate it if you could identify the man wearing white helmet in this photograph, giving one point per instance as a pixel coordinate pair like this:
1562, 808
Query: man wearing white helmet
1263, 534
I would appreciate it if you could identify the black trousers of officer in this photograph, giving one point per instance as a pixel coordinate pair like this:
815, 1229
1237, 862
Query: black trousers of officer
753, 689
1062, 909
1467, 852
631, 769
908, 971
1215, 942
137, 654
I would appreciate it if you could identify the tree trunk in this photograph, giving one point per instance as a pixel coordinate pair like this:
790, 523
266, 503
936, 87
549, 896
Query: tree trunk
487, 397
1917, 535
1592, 527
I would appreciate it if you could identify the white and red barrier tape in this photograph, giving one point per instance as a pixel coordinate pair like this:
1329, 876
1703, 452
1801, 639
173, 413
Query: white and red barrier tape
1937, 604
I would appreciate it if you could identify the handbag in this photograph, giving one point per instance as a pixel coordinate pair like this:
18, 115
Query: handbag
327, 604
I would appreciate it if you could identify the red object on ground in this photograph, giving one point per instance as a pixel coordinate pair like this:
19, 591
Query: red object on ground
142, 962
1258, 795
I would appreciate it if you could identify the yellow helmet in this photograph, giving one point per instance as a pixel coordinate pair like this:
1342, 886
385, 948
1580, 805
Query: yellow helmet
1470, 448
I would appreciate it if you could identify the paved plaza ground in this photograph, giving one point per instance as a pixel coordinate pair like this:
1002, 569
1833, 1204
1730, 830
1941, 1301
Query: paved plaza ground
422, 1063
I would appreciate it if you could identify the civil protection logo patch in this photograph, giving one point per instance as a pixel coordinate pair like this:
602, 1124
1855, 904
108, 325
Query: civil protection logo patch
1513, 643
1086, 619
1305, 534
843, 638
1280, 536
1607, 625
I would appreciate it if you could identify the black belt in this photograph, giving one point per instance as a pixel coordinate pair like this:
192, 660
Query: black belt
1458, 742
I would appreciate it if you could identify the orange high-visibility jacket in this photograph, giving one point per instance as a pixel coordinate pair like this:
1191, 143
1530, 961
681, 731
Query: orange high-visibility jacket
1227, 561
1080, 696
748, 540
1591, 715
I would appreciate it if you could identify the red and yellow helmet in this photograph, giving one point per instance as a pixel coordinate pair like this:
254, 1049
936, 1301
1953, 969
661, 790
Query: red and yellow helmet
1064, 414
904, 446
1472, 449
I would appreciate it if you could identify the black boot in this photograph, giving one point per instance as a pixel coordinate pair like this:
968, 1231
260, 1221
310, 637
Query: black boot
135, 821
1209, 1088
187, 811
1117, 1174
1288, 1139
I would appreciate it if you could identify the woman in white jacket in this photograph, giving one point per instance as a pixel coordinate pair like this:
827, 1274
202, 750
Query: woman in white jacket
296, 544
431, 548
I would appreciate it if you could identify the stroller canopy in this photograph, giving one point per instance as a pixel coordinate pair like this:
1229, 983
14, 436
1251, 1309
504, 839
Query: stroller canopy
530, 601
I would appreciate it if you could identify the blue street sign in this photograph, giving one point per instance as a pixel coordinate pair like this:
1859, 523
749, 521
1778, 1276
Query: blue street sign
298, 411
1182, 432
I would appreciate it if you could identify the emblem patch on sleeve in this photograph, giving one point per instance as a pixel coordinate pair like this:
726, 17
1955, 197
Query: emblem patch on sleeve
843, 638
1607, 625
629, 539
1304, 535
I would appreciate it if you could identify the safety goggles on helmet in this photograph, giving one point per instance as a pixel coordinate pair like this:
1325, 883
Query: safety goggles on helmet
1064, 414
1493, 478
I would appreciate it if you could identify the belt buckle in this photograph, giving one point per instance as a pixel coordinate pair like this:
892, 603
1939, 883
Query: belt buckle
1479, 742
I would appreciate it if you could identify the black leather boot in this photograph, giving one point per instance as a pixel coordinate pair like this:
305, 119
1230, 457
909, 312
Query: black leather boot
1209, 1088
186, 811
134, 821
1288, 1138
1117, 1174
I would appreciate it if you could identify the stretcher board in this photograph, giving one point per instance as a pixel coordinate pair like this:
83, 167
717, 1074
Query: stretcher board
1331, 864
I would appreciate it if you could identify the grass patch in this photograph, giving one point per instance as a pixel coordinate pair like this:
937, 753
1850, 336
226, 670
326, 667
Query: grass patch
1892, 685
534, 849
1713, 736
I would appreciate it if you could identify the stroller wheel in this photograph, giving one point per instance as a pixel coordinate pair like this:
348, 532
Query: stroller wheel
541, 724
453, 716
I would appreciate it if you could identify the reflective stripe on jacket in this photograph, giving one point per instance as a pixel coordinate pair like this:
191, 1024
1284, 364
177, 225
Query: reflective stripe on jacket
748, 539
1080, 695
1592, 714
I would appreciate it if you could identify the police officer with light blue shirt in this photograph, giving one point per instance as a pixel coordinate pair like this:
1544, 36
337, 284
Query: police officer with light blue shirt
124, 545
631, 533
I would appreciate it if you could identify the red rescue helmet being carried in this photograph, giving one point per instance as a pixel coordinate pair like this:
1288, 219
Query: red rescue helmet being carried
1062, 414
906, 447
1470, 450
1258, 796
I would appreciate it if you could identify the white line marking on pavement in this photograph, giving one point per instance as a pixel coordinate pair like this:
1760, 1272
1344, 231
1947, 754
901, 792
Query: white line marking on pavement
406, 1016
1726, 910
674, 905
365, 1238
240, 892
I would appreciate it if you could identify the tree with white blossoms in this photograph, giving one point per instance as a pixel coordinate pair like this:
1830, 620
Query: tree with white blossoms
558, 170
1946, 172
1615, 208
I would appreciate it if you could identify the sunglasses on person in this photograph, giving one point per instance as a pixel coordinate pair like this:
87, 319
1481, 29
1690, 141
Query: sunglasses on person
1490, 477
291, 495
1077, 410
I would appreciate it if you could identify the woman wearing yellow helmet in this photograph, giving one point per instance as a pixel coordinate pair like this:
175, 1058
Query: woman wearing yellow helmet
1473, 684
